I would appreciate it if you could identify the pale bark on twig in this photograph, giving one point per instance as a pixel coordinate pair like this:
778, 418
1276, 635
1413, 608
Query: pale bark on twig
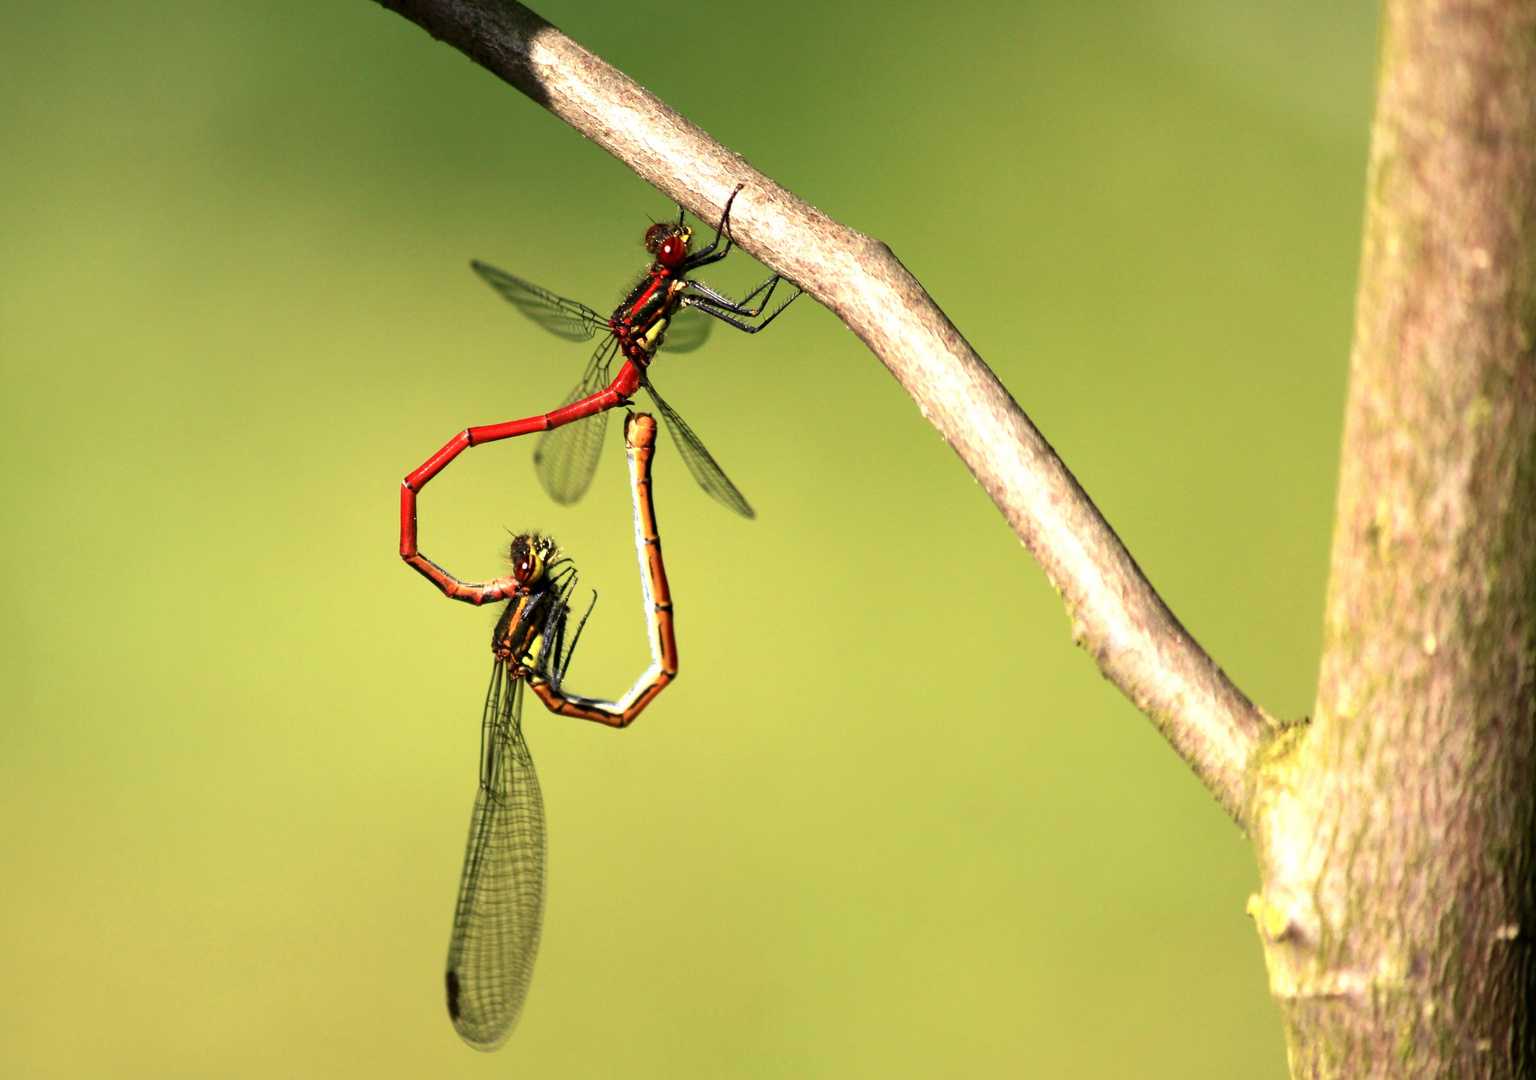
1116, 615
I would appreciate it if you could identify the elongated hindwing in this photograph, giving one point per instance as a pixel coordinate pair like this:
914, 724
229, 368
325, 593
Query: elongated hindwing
501, 892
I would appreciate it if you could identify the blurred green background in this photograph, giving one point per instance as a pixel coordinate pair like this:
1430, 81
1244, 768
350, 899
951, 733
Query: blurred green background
890, 822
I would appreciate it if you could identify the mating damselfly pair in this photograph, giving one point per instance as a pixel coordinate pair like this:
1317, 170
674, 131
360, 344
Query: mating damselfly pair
499, 912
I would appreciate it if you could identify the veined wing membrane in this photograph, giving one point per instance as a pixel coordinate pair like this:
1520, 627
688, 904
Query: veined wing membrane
562, 317
703, 467
566, 457
501, 894
687, 330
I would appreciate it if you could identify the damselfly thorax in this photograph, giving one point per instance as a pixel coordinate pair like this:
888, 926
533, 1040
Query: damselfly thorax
641, 320
535, 613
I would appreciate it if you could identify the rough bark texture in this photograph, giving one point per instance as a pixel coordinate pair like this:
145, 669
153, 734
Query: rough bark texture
1394, 832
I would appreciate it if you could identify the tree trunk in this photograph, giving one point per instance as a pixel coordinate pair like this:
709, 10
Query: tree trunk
1395, 831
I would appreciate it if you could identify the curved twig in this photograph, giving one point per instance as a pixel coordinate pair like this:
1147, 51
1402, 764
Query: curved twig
1116, 614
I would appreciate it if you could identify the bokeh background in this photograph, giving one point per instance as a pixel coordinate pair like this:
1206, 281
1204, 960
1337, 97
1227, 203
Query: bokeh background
890, 822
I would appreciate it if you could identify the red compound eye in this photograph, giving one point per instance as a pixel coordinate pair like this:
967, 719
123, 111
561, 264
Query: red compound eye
655, 236
673, 252
525, 560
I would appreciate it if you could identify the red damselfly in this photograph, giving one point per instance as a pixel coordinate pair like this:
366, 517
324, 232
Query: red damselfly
501, 892
663, 311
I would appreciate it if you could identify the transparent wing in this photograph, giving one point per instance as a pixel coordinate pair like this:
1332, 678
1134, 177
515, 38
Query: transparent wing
566, 318
501, 894
687, 330
703, 467
565, 458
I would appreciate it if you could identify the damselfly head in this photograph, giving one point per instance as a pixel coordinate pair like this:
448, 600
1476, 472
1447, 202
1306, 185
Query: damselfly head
668, 241
531, 555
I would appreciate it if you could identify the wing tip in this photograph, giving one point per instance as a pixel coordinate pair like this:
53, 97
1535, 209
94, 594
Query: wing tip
738, 504
485, 1046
